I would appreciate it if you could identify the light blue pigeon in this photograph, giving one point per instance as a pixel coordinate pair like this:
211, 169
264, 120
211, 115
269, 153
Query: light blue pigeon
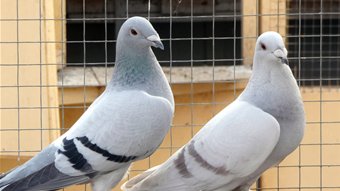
126, 123
258, 130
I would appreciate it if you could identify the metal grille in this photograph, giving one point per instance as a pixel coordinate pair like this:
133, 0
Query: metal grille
57, 57
101, 28
318, 36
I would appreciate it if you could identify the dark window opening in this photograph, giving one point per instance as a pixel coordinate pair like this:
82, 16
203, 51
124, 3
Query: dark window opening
318, 65
96, 47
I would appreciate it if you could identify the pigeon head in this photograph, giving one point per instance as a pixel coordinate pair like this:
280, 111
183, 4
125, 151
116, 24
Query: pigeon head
138, 33
270, 48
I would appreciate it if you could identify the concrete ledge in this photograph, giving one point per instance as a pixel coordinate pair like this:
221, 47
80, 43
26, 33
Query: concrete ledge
99, 76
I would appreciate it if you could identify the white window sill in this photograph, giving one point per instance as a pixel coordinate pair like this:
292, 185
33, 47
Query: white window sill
99, 76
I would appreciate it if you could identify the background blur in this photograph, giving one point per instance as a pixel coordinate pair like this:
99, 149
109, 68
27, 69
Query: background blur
57, 56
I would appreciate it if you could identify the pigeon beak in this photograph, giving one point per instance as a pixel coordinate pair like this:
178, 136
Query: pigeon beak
284, 61
282, 55
156, 41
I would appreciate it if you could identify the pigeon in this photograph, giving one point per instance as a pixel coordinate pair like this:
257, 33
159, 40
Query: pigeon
256, 131
126, 123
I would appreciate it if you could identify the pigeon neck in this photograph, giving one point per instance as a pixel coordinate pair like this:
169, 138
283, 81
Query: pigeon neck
261, 67
139, 71
133, 68
272, 84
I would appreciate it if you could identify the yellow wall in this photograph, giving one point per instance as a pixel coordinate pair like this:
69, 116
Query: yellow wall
32, 85
316, 162
28, 77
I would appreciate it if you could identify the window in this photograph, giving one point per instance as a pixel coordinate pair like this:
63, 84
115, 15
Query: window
91, 34
319, 54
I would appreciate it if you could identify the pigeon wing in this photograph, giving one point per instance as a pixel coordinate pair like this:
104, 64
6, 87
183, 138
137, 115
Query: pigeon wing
231, 146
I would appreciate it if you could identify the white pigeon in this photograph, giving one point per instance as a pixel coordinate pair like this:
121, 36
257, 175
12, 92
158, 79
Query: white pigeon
126, 123
258, 130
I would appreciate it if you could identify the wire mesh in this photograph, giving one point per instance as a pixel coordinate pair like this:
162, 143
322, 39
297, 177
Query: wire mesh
57, 57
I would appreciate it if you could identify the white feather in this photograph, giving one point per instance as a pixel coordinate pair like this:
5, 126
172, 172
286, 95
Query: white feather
151, 121
235, 139
250, 135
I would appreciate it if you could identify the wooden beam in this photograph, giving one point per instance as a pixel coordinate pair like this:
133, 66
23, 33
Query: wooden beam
51, 56
260, 16
9, 161
79, 95
75, 96
249, 30
59, 7
273, 16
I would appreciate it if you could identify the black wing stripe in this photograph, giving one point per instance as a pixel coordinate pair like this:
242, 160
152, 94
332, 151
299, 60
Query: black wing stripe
74, 156
111, 157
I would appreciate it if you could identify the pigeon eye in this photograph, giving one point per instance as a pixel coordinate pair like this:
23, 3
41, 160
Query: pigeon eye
133, 32
263, 46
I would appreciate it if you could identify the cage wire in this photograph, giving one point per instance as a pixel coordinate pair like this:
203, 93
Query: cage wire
205, 59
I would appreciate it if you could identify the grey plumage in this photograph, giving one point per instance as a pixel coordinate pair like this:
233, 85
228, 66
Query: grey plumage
126, 123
